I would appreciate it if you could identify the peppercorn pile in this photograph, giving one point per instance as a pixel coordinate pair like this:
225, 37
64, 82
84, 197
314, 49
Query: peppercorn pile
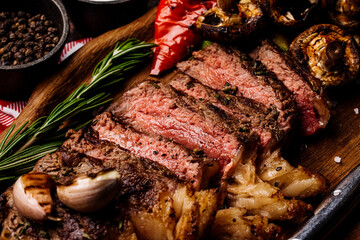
25, 38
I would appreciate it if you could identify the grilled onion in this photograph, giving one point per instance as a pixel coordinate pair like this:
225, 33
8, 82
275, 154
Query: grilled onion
328, 53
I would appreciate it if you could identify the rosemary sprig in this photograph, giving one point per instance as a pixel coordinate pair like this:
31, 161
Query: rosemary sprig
19, 152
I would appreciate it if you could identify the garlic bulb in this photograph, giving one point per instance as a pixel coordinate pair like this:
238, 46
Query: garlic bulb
88, 194
32, 195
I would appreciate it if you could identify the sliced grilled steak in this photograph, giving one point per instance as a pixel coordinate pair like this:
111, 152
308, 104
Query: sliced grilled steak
157, 109
196, 169
259, 118
271, 167
217, 67
308, 93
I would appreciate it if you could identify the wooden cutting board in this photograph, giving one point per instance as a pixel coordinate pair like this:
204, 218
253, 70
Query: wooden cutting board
341, 137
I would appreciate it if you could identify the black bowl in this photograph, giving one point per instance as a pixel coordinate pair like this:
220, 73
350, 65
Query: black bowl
92, 18
17, 82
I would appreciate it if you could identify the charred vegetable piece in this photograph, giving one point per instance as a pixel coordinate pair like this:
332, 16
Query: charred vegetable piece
219, 24
32, 196
289, 13
328, 53
344, 13
175, 31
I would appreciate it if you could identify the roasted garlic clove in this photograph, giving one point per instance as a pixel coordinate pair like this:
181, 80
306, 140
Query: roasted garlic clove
88, 194
32, 196
327, 53
289, 13
222, 25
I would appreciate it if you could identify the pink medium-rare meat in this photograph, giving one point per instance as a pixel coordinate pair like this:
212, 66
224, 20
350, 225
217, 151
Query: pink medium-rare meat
216, 66
259, 118
313, 112
157, 109
177, 159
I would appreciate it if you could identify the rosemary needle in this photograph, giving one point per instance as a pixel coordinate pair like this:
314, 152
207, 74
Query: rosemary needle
18, 153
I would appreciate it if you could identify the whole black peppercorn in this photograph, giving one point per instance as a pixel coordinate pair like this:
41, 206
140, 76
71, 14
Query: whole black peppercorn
4, 40
48, 39
9, 46
28, 52
32, 25
52, 29
49, 46
21, 14
12, 35
29, 44
18, 56
14, 49
55, 40
19, 43
21, 28
27, 36
28, 59
38, 55
19, 35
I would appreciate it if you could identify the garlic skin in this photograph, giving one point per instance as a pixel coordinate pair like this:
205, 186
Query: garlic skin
88, 194
32, 196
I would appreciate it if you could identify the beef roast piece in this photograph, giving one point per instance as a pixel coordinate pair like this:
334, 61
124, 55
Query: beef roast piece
259, 118
156, 108
308, 93
218, 67
151, 204
185, 164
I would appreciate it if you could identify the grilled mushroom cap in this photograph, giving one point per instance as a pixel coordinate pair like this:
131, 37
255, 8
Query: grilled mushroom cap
220, 24
328, 53
289, 13
344, 13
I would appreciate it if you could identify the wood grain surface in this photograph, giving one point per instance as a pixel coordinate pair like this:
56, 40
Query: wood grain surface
341, 137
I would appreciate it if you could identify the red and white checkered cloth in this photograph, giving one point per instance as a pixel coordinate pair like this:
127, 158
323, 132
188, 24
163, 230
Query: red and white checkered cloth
9, 110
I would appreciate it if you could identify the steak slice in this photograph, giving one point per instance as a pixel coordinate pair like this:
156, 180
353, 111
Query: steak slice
308, 92
196, 169
156, 108
217, 67
259, 118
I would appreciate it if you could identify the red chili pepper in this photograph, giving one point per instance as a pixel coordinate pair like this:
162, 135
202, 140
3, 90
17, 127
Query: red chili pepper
175, 31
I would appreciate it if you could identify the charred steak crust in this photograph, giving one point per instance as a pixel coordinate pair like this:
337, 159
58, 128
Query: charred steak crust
216, 65
187, 165
256, 116
308, 93
143, 183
